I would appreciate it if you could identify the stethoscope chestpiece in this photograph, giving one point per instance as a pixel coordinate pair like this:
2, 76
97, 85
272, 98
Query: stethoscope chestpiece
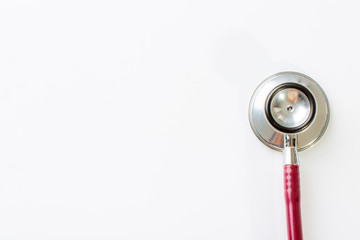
289, 103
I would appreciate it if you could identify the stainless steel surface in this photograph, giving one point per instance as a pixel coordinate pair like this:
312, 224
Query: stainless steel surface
274, 138
290, 150
290, 108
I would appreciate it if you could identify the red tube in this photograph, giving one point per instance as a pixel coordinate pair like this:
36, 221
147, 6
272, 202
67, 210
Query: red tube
292, 201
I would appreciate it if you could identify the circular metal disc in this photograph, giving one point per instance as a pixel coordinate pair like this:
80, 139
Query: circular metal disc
287, 112
290, 108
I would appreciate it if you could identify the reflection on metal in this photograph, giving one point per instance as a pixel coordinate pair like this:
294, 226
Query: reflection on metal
290, 108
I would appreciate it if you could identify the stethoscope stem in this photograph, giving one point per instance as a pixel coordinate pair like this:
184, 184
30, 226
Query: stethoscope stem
292, 188
290, 150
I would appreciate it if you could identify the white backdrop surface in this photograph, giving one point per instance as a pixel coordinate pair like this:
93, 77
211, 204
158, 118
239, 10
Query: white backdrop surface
128, 119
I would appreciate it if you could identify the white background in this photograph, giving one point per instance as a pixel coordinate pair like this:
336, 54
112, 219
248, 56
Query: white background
128, 119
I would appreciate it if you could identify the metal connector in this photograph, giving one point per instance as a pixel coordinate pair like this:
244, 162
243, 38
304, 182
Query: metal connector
290, 150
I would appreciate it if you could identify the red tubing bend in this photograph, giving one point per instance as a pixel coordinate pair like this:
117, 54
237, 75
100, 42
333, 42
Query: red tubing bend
292, 201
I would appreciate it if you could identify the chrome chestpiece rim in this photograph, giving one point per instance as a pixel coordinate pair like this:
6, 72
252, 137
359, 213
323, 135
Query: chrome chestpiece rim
289, 103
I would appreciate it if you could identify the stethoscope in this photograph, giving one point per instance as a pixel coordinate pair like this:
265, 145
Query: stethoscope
289, 112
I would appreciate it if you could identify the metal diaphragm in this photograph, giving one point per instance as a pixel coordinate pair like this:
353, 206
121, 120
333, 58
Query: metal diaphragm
290, 107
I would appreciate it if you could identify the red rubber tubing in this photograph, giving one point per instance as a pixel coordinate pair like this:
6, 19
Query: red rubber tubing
292, 201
